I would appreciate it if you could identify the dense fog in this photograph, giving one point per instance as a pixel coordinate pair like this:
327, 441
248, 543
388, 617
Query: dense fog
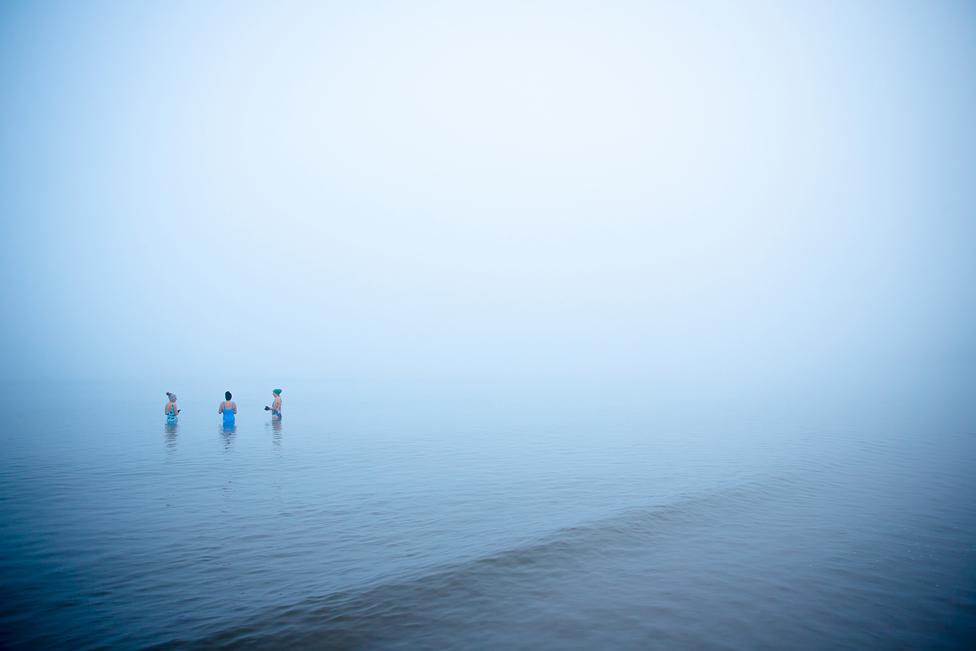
709, 198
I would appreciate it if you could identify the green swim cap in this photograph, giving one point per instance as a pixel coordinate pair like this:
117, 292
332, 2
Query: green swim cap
276, 392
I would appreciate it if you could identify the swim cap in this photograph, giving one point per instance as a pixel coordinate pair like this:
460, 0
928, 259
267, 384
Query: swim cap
277, 392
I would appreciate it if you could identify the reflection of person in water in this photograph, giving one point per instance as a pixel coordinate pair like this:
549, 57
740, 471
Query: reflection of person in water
227, 434
276, 433
170, 409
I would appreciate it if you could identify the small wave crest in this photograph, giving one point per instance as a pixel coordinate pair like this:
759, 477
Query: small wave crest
437, 608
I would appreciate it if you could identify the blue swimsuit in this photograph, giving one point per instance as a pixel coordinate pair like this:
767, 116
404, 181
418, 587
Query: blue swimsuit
228, 415
171, 416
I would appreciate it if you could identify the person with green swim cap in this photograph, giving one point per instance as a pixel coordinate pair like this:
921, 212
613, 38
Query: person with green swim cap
275, 407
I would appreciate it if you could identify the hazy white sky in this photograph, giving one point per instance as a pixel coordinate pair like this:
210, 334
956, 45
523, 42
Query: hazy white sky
681, 193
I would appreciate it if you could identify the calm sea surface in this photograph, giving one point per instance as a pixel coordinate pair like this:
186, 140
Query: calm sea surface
404, 516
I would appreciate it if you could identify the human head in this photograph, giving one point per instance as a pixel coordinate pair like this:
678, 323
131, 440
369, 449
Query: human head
171, 396
277, 392
227, 395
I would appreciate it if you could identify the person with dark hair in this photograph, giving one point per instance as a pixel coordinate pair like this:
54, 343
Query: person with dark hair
228, 408
170, 409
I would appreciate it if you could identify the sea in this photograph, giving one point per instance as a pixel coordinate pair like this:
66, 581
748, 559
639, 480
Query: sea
495, 515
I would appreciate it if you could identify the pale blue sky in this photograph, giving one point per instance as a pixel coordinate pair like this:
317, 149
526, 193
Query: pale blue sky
684, 194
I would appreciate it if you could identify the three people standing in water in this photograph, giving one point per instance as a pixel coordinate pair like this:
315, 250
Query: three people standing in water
227, 408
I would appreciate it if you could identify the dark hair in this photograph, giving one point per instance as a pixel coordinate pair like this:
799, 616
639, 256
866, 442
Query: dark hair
226, 395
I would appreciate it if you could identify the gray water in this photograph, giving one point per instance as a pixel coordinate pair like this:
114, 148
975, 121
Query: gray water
438, 516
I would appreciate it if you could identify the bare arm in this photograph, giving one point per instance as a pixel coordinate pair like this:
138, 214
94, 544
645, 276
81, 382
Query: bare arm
220, 408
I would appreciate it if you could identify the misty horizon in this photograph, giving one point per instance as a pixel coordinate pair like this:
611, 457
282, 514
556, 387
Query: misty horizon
645, 194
